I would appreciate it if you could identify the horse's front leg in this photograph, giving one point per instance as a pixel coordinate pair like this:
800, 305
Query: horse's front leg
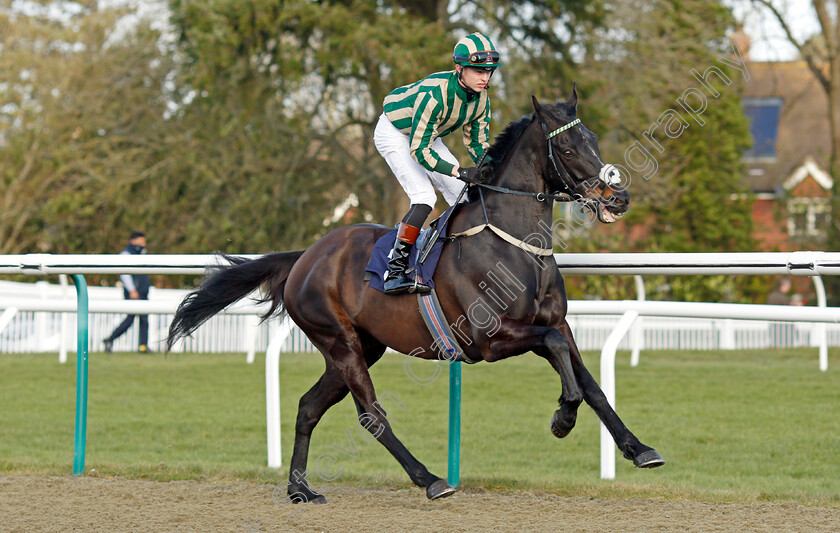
557, 351
553, 346
641, 455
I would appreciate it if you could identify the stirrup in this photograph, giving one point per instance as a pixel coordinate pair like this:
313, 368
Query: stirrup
407, 287
419, 288
402, 284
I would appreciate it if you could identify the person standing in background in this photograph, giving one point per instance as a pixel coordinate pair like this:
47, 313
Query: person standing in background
135, 287
780, 296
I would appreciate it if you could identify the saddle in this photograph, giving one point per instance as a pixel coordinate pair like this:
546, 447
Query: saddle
424, 256
422, 264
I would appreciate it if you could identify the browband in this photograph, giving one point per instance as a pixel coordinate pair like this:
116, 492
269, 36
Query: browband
571, 124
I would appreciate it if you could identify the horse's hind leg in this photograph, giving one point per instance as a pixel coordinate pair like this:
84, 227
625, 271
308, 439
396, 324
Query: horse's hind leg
327, 391
373, 418
641, 455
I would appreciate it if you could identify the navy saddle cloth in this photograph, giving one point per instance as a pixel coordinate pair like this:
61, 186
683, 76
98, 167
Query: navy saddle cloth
378, 264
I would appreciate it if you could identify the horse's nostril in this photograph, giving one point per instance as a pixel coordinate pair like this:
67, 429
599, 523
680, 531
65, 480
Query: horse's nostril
623, 200
619, 199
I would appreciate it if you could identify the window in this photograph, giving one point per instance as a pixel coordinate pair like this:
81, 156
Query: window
763, 114
808, 217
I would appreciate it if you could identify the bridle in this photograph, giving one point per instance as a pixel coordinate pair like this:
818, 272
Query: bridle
570, 192
560, 170
608, 175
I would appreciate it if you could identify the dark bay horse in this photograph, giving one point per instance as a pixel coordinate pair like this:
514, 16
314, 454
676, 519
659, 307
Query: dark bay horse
545, 156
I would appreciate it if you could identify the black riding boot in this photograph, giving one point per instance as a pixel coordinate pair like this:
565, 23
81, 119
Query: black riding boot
396, 281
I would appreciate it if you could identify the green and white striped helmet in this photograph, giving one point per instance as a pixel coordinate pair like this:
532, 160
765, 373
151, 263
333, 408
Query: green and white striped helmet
476, 50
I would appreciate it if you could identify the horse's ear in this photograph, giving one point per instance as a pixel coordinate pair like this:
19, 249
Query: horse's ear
537, 105
572, 101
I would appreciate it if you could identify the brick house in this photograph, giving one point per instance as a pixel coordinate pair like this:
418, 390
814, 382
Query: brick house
787, 166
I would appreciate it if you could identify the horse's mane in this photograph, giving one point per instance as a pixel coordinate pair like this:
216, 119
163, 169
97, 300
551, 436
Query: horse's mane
501, 147
507, 139
504, 141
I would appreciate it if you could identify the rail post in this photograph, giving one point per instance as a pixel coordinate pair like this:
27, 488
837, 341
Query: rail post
454, 463
277, 335
637, 333
822, 340
608, 386
81, 374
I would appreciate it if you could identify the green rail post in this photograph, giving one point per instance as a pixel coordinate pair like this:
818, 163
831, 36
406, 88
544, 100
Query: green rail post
81, 374
454, 464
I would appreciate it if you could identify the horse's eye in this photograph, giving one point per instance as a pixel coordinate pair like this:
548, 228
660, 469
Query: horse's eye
568, 154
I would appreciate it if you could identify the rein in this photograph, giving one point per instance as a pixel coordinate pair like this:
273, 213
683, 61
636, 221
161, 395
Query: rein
540, 196
505, 236
570, 194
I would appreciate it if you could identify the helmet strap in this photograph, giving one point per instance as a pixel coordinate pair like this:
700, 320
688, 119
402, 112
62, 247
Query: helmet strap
470, 92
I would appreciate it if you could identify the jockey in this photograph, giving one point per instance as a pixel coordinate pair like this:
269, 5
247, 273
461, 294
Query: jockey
408, 137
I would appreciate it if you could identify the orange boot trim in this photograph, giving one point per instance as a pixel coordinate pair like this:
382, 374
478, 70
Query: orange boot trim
408, 234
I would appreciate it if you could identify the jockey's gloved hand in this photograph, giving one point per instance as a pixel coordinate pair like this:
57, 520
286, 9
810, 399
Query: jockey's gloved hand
473, 175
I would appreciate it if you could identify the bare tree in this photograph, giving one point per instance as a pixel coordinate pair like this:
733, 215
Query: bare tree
821, 53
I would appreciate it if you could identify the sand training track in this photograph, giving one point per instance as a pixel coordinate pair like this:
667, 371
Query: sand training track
57, 504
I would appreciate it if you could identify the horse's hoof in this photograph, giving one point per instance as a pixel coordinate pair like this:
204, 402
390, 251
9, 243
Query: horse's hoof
306, 496
318, 500
558, 428
648, 459
439, 489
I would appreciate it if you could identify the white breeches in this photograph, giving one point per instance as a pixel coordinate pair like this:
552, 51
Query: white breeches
415, 179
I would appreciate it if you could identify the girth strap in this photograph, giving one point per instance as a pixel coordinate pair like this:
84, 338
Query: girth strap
504, 236
436, 323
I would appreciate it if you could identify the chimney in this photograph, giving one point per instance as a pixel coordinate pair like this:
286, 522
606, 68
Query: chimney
742, 41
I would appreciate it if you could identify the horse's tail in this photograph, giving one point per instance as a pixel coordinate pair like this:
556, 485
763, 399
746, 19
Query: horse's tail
230, 283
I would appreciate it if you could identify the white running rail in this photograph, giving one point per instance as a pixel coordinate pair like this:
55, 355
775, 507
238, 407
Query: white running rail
793, 263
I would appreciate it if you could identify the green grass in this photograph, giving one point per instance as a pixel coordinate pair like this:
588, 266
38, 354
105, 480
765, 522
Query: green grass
734, 426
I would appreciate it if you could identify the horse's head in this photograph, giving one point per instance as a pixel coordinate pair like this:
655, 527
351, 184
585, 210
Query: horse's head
575, 166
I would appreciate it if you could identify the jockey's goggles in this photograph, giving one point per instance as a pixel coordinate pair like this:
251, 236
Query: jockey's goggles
490, 57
